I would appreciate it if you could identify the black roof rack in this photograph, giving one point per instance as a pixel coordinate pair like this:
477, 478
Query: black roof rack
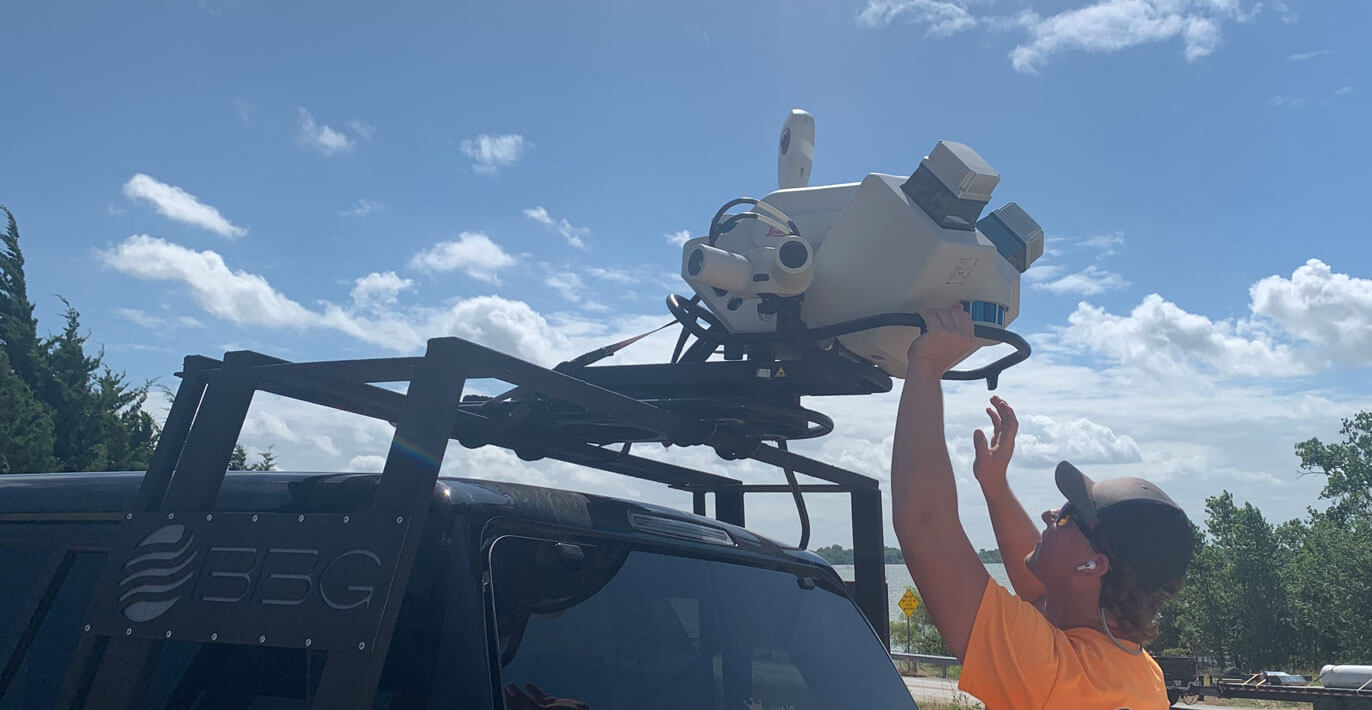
743, 409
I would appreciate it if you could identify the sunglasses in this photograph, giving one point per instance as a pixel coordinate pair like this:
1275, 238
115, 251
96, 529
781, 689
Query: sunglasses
1067, 514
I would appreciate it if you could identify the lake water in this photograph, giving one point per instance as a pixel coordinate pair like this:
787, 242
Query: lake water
898, 578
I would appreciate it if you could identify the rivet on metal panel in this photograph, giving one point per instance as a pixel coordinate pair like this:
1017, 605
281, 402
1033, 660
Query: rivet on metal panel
168, 634
171, 516
399, 519
128, 631
214, 637
209, 517
262, 639
346, 518
309, 642
254, 517
361, 645
128, 516
300, 519
88, 627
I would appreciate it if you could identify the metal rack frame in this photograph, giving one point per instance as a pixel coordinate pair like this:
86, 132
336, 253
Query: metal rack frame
111, 669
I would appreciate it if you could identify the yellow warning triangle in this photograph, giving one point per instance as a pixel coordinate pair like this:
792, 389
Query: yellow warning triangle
781, 371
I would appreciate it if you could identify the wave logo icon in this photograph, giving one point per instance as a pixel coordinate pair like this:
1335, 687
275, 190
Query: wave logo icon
157, 572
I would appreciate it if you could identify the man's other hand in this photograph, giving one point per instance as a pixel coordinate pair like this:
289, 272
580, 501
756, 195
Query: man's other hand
946, 339
993, 457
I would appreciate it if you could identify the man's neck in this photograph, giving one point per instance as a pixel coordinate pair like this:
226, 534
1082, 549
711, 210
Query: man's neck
1070, 609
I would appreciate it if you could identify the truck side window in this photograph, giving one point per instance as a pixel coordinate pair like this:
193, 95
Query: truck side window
616, 628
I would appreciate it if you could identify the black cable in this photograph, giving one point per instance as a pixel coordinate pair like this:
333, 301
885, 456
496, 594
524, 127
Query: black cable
800, 501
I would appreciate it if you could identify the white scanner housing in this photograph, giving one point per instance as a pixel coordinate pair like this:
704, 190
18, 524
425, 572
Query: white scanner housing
888, 244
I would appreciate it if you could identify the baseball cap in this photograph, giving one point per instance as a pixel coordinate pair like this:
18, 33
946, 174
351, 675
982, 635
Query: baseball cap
1141, 526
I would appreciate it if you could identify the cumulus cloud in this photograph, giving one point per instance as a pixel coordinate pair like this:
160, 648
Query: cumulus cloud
379, 290
233, 295
320, 137
941, 18
1331, 312
1087, 282
575, 236
1161, 338
679, 238
1044, 440
1298, 325
1343, 90
178, 205
491, 153
1114, 25
473, 253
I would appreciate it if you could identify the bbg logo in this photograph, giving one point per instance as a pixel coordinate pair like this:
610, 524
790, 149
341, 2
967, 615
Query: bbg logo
155, 576
167, 567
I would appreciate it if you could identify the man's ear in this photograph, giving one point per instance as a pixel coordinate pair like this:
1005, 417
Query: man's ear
1095, 566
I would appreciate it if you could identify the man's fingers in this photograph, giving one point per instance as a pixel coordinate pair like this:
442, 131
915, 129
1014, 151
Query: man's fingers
1007, 413
979, 442
995, 417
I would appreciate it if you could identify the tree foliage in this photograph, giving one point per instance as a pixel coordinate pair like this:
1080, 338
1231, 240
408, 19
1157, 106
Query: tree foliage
67, 410
1294, 595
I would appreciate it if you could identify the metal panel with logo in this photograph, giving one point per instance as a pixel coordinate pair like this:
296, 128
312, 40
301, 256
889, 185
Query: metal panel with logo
319, 581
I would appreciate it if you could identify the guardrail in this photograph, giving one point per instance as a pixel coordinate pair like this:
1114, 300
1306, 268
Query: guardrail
941, 661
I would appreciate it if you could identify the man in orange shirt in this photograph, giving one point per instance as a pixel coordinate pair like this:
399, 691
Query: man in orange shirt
1090, 586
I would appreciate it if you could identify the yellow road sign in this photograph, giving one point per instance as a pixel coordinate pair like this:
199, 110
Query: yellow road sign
909, 603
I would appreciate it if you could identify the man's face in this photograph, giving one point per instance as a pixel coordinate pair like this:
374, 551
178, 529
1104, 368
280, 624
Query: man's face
1060, 549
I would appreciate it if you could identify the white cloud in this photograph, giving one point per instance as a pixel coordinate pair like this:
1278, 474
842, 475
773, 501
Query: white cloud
1304, 56
176, 204
234, 295
567, 284
1043, 441
364, 130
1343, 90
158, 323
1162, 339
363, 208
1113, 25
679, 238
942, 18
1087, 282
321, 137
1108, 243
491, 153
617, 276
379, 290
473, 253
1331, 312
575, 236
1283, 101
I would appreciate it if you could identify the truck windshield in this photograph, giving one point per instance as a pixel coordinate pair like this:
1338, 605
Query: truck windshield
613, 629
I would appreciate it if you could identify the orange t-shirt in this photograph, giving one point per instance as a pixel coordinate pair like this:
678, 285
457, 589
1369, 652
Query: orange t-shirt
1017, 659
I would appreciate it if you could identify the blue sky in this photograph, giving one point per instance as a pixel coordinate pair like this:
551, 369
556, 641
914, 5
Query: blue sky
324, 180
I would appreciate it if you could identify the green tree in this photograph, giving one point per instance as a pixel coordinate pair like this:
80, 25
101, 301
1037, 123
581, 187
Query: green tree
923, 636
18, 327
1347, 467
238, 460
25, 427
94, 418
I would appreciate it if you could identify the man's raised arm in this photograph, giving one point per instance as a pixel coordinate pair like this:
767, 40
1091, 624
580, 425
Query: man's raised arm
924, 495
1015, 531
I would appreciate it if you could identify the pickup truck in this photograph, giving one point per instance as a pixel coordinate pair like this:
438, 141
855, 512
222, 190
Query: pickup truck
185, 586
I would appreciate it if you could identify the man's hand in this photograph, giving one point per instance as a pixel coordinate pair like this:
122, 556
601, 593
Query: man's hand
993, 458
947, 337
536, 699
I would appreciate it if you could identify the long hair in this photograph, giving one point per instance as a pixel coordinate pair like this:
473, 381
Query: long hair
1132, 610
